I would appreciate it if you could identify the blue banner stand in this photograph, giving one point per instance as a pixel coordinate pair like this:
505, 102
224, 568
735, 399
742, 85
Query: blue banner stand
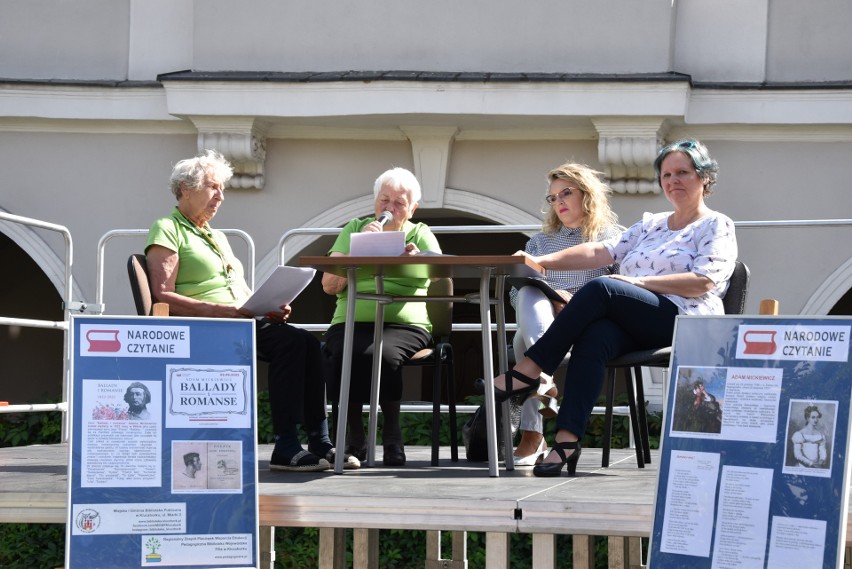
753, 462
162, 465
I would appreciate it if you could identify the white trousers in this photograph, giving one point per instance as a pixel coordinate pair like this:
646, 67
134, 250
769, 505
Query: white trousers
534, 315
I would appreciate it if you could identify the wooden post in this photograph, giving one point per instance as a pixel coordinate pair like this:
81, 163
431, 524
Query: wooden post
584, 551
160, 309
332, 548
769, 306
543, 551
496, 550
618, 552
267, 547
365, 548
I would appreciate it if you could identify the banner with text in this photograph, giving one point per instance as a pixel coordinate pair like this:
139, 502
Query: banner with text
753, 461
162, 463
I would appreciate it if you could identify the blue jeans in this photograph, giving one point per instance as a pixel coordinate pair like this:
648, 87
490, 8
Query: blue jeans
605, 318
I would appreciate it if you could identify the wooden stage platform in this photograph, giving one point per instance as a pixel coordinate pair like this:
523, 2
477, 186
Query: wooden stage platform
614, 501
452, 496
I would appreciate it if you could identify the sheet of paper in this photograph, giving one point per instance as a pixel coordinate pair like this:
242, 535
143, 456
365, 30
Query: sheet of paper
282, 287
796, 542
384, 244
742, 523
690, 497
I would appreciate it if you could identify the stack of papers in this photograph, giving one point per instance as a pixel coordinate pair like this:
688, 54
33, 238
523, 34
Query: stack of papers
282, 287
384, 244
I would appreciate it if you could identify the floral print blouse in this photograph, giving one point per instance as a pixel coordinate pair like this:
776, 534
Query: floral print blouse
707, 246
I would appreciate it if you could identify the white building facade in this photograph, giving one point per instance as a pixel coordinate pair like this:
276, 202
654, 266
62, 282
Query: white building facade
312, 100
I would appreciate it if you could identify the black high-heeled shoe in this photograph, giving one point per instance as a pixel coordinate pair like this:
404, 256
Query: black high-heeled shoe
554, 468
530, 385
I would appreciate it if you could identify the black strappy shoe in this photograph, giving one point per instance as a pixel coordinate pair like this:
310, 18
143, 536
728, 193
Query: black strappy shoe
530, 385
555, 468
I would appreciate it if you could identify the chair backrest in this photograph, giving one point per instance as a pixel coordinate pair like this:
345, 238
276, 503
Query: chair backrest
441, 313
735, 298
137, 271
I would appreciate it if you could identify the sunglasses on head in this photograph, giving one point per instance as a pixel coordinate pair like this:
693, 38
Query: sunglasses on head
685, 145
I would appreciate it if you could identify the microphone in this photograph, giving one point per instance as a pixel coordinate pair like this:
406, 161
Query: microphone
384, 218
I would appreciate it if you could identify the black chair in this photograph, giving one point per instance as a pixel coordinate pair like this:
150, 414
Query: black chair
137, 271
633, 362
440, 357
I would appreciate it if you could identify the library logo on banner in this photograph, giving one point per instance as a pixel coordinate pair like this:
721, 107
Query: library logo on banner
88, 521
813, 342
122, 341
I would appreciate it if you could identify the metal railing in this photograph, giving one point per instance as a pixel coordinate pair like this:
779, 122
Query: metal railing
110, 235
479, 229
67, 306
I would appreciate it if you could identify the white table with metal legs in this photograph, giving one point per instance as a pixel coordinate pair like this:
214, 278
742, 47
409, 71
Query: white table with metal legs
483, 267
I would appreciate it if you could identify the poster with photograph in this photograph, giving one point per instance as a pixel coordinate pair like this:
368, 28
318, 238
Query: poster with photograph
127, 415
809, 437
753, 457
726, 403
206, 466
162, 465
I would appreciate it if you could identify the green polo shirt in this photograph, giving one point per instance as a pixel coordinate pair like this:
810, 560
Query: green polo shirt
202, 269
413, 313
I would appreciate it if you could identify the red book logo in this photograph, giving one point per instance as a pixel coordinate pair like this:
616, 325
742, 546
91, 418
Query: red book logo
759, 342
103, 340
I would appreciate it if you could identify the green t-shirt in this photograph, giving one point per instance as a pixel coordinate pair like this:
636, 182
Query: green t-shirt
203, 263
413, 313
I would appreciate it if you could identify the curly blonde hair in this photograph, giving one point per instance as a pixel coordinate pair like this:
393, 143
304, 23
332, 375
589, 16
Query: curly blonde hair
599, 216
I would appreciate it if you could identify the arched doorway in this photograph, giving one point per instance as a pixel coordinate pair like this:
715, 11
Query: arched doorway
32, 357
315, 307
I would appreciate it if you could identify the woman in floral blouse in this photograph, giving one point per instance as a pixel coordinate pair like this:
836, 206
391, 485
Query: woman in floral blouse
676, 262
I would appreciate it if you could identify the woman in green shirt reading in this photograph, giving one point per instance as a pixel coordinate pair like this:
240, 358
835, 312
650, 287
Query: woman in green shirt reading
406, 324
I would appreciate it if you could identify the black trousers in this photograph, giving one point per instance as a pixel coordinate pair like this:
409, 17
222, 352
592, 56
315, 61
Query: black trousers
399, 342
296, 380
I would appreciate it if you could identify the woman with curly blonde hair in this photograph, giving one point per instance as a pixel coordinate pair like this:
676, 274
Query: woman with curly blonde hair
670, 263
577, 202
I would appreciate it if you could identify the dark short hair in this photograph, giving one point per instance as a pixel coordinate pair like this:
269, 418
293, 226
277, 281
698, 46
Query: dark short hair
704, 164
190, 457
810, 409
137, 385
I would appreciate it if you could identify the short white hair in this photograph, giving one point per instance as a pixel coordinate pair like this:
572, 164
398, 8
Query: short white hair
192, 171
399, 178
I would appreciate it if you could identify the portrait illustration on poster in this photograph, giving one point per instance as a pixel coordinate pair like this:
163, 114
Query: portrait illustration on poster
207, 466
810, 432
121, 414
699, 399
131, 406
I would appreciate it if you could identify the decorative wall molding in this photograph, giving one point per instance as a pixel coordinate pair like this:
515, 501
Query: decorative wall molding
626, 149
430, 148
242, 140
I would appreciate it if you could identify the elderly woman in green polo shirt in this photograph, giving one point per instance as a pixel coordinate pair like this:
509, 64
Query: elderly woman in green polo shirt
406, 327
193, 269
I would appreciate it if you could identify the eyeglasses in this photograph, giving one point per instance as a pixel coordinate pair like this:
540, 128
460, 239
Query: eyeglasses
561, 196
